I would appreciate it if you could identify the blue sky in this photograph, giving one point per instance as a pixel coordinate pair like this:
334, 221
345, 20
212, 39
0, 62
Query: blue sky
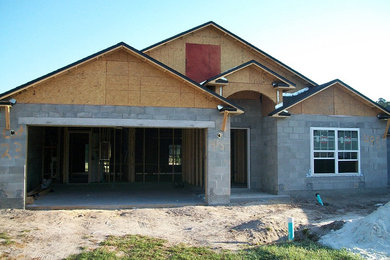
323, 40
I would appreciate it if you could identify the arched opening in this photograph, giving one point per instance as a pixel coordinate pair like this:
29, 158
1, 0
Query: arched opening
253, 100
247, 140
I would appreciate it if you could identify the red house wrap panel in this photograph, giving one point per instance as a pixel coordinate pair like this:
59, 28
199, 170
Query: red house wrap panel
203, 61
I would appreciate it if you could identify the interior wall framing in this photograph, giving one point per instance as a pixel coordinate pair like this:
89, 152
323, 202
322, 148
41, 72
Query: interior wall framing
135, 155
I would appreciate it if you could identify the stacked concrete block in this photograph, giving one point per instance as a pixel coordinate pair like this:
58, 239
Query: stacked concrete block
294, 153
13, 147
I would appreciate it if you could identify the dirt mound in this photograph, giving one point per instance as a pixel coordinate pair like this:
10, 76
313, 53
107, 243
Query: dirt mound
258, 232
368, 236
315, 232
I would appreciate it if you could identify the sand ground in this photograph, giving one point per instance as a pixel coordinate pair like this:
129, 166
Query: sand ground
56, 234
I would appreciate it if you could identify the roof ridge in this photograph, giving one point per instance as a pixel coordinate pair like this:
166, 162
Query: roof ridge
239, 39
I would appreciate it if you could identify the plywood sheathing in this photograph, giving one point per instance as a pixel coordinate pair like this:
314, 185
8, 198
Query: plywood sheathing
251, 95
233, 53
118, 78
335, 100
251, 78
267, 105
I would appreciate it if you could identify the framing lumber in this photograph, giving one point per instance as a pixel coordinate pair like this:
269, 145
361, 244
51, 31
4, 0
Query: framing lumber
143, 158
387, 129
65, 168
131, 170
114, 168
224, 121
7, 117
158, 155
174, 154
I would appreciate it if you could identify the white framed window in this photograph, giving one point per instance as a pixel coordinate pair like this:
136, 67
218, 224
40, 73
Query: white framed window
335, 151
174, 154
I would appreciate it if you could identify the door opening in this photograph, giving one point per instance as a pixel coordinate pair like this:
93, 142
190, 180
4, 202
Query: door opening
78, 157
239, 158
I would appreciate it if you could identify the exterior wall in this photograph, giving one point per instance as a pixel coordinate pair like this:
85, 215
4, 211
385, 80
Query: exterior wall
251, 79
233, 53
293, 135
218, 164
13, 148
118, 78
269, 156
335, 100
12, 161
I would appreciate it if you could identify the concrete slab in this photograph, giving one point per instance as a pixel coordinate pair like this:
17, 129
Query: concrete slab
245, 195
117, 196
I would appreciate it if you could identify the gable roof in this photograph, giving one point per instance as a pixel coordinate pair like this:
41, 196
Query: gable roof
302, 95
247, 64
211, 23
124, 46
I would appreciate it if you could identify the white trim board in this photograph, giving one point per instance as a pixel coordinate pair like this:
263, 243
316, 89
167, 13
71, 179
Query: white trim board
108, 122
336, 151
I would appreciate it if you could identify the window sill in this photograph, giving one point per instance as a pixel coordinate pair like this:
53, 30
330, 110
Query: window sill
335, 175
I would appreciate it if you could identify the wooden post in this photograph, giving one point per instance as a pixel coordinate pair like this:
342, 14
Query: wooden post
143, 158
131, 157
192, 156
120, 154
114, 154
58, 153
205, 178
158, 155
174, 153
201, 157
387, 128
65, 174
225, 116
196, 154
90, 156
100, 156
7, 117
43, 153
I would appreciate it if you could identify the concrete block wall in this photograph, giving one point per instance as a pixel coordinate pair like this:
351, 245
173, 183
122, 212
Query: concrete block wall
12, 161
293, 140
218, 164
12, 179
269, 156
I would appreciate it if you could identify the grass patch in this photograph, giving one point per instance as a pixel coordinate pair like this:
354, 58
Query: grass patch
5, 239
142, 247
299, 250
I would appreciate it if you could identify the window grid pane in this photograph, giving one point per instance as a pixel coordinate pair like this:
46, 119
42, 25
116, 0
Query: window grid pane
323, 140
346, 156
